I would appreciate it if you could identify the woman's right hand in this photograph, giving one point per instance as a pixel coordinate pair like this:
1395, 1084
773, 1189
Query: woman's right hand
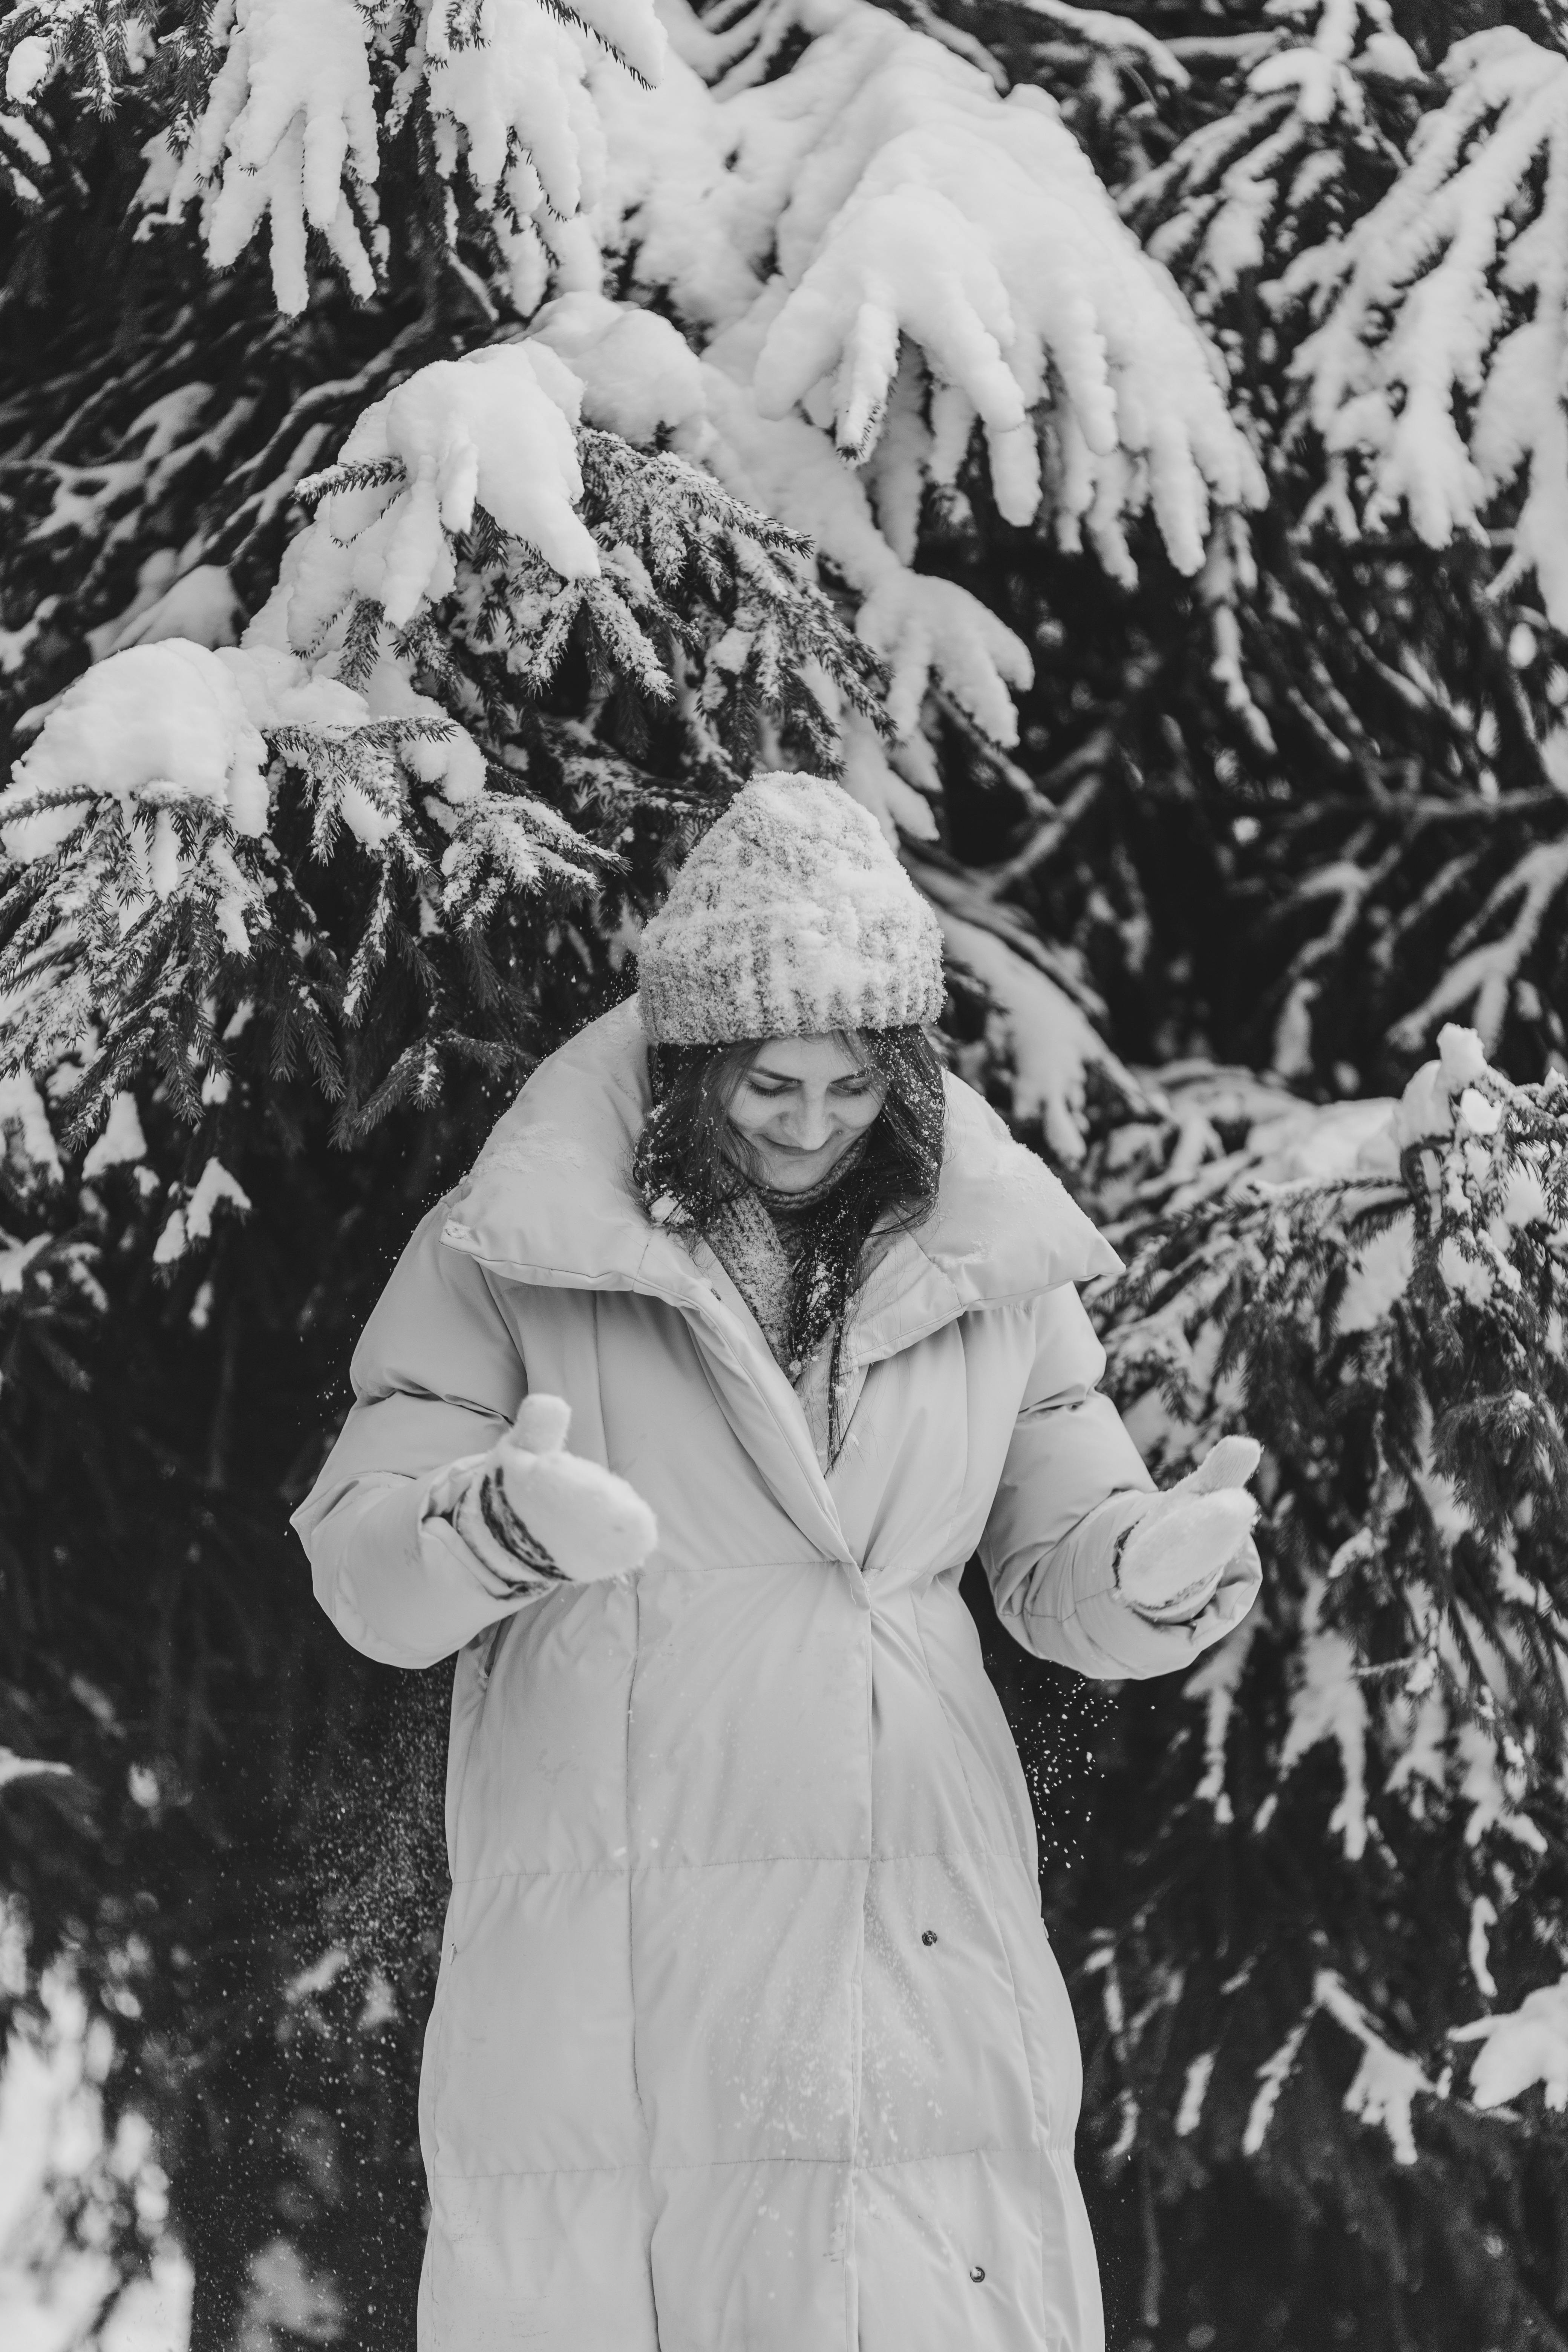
536, 1513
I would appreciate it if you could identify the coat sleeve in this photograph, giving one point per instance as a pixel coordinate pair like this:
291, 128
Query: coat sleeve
1072, 1481
436, 1377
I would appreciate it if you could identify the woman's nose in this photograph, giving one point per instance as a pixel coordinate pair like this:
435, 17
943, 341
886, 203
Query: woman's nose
810, 1126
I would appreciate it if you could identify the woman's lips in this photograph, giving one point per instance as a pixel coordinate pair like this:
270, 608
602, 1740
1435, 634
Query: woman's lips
795, 1150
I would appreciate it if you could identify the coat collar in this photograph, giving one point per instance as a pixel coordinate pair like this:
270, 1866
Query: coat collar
549, 1200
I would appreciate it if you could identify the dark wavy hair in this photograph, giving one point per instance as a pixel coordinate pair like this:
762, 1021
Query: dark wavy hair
689, 1162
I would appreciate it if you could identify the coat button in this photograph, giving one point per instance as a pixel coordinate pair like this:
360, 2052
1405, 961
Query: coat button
929, 1937
977, 2274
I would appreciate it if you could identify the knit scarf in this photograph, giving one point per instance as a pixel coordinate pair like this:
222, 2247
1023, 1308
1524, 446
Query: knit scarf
770, 1244
766, 1252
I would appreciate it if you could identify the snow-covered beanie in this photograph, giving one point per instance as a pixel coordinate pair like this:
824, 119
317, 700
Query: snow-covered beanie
791, 916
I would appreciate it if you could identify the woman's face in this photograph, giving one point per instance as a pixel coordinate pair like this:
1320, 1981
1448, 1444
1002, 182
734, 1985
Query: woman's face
800, 1104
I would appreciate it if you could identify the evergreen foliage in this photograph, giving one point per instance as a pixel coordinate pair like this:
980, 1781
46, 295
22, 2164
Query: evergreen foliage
1378, 1758
446, 444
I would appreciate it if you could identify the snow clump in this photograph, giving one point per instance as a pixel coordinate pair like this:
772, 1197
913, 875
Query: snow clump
161, 724
495, 430
290, 131
1520, 2047
177, 738
28, 69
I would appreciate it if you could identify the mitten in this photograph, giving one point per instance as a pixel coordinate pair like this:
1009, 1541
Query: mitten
534, 1513
1171, 1560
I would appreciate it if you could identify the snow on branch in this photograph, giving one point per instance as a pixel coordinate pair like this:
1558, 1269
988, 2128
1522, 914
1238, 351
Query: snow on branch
161, 828
893, 262
93, 47
890, 260
884, 259
1387, 2084
1436, 376
1383, 2091
1296, 1274
928, 631
288, 130
29, 1768
496, 431
1216, 1682
1114, 35
1484, 974
1278, 167
1521, 2047
1377, 1290
927, 223
146, 881
473, 481
1037, 1035
308, 93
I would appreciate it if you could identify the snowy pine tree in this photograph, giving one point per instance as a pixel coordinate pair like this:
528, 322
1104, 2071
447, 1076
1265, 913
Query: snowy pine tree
446, 446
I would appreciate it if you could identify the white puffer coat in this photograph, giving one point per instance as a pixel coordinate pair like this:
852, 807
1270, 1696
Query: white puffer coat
748, 2037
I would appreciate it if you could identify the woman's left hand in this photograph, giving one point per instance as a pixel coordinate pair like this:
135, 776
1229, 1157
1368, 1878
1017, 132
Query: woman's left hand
1173, 1563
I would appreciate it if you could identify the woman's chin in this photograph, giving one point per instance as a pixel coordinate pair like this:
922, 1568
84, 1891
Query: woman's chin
796, 1171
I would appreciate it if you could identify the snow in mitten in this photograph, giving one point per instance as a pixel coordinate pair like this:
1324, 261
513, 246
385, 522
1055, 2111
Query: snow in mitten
536, 1513
1171, 1560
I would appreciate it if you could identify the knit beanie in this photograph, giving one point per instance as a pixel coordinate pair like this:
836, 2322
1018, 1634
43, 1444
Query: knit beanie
791, 916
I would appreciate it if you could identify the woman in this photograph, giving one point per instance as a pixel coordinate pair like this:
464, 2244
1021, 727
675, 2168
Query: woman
748, 2037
